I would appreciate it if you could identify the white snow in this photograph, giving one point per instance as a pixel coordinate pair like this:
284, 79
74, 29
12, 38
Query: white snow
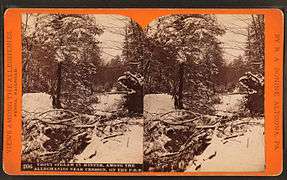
136, 78
126, 148
243, 153
158, 103
108, 102
36, 102
230, 103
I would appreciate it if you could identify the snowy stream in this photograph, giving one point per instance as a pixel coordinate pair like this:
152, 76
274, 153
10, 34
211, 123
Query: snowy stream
244, 153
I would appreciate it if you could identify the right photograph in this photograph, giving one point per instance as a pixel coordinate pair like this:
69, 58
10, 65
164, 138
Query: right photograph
204, 93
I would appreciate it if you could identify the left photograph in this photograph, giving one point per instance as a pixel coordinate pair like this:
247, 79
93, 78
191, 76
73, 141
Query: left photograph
82, 85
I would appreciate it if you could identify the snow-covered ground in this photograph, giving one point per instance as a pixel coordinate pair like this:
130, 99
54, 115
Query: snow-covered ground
126, 148
108, 102
243, 153
36, 102
229, 103
158, 103
40, 102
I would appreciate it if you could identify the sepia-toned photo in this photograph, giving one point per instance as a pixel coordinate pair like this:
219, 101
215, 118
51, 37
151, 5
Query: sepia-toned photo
183, 94
82, 92
204, 94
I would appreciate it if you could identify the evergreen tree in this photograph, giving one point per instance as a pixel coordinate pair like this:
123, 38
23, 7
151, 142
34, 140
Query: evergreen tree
186, 58
254, 52
65, 56
135, 48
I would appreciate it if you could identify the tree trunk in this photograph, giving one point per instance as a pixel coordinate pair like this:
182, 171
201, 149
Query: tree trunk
58, 90
179, 93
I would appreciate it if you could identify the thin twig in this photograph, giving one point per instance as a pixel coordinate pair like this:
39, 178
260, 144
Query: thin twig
112, 136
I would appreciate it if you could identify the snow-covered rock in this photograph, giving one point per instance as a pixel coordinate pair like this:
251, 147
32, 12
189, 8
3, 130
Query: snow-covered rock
253, 83
36, 102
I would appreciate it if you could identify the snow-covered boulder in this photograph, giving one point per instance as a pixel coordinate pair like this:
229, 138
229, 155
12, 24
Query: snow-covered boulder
36, 102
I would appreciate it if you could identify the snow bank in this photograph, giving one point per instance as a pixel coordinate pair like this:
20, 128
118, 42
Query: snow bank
108, 102
244, 153
158, 103
127, 148
36, 102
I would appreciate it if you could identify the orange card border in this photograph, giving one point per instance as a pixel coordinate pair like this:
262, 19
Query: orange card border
273, 86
